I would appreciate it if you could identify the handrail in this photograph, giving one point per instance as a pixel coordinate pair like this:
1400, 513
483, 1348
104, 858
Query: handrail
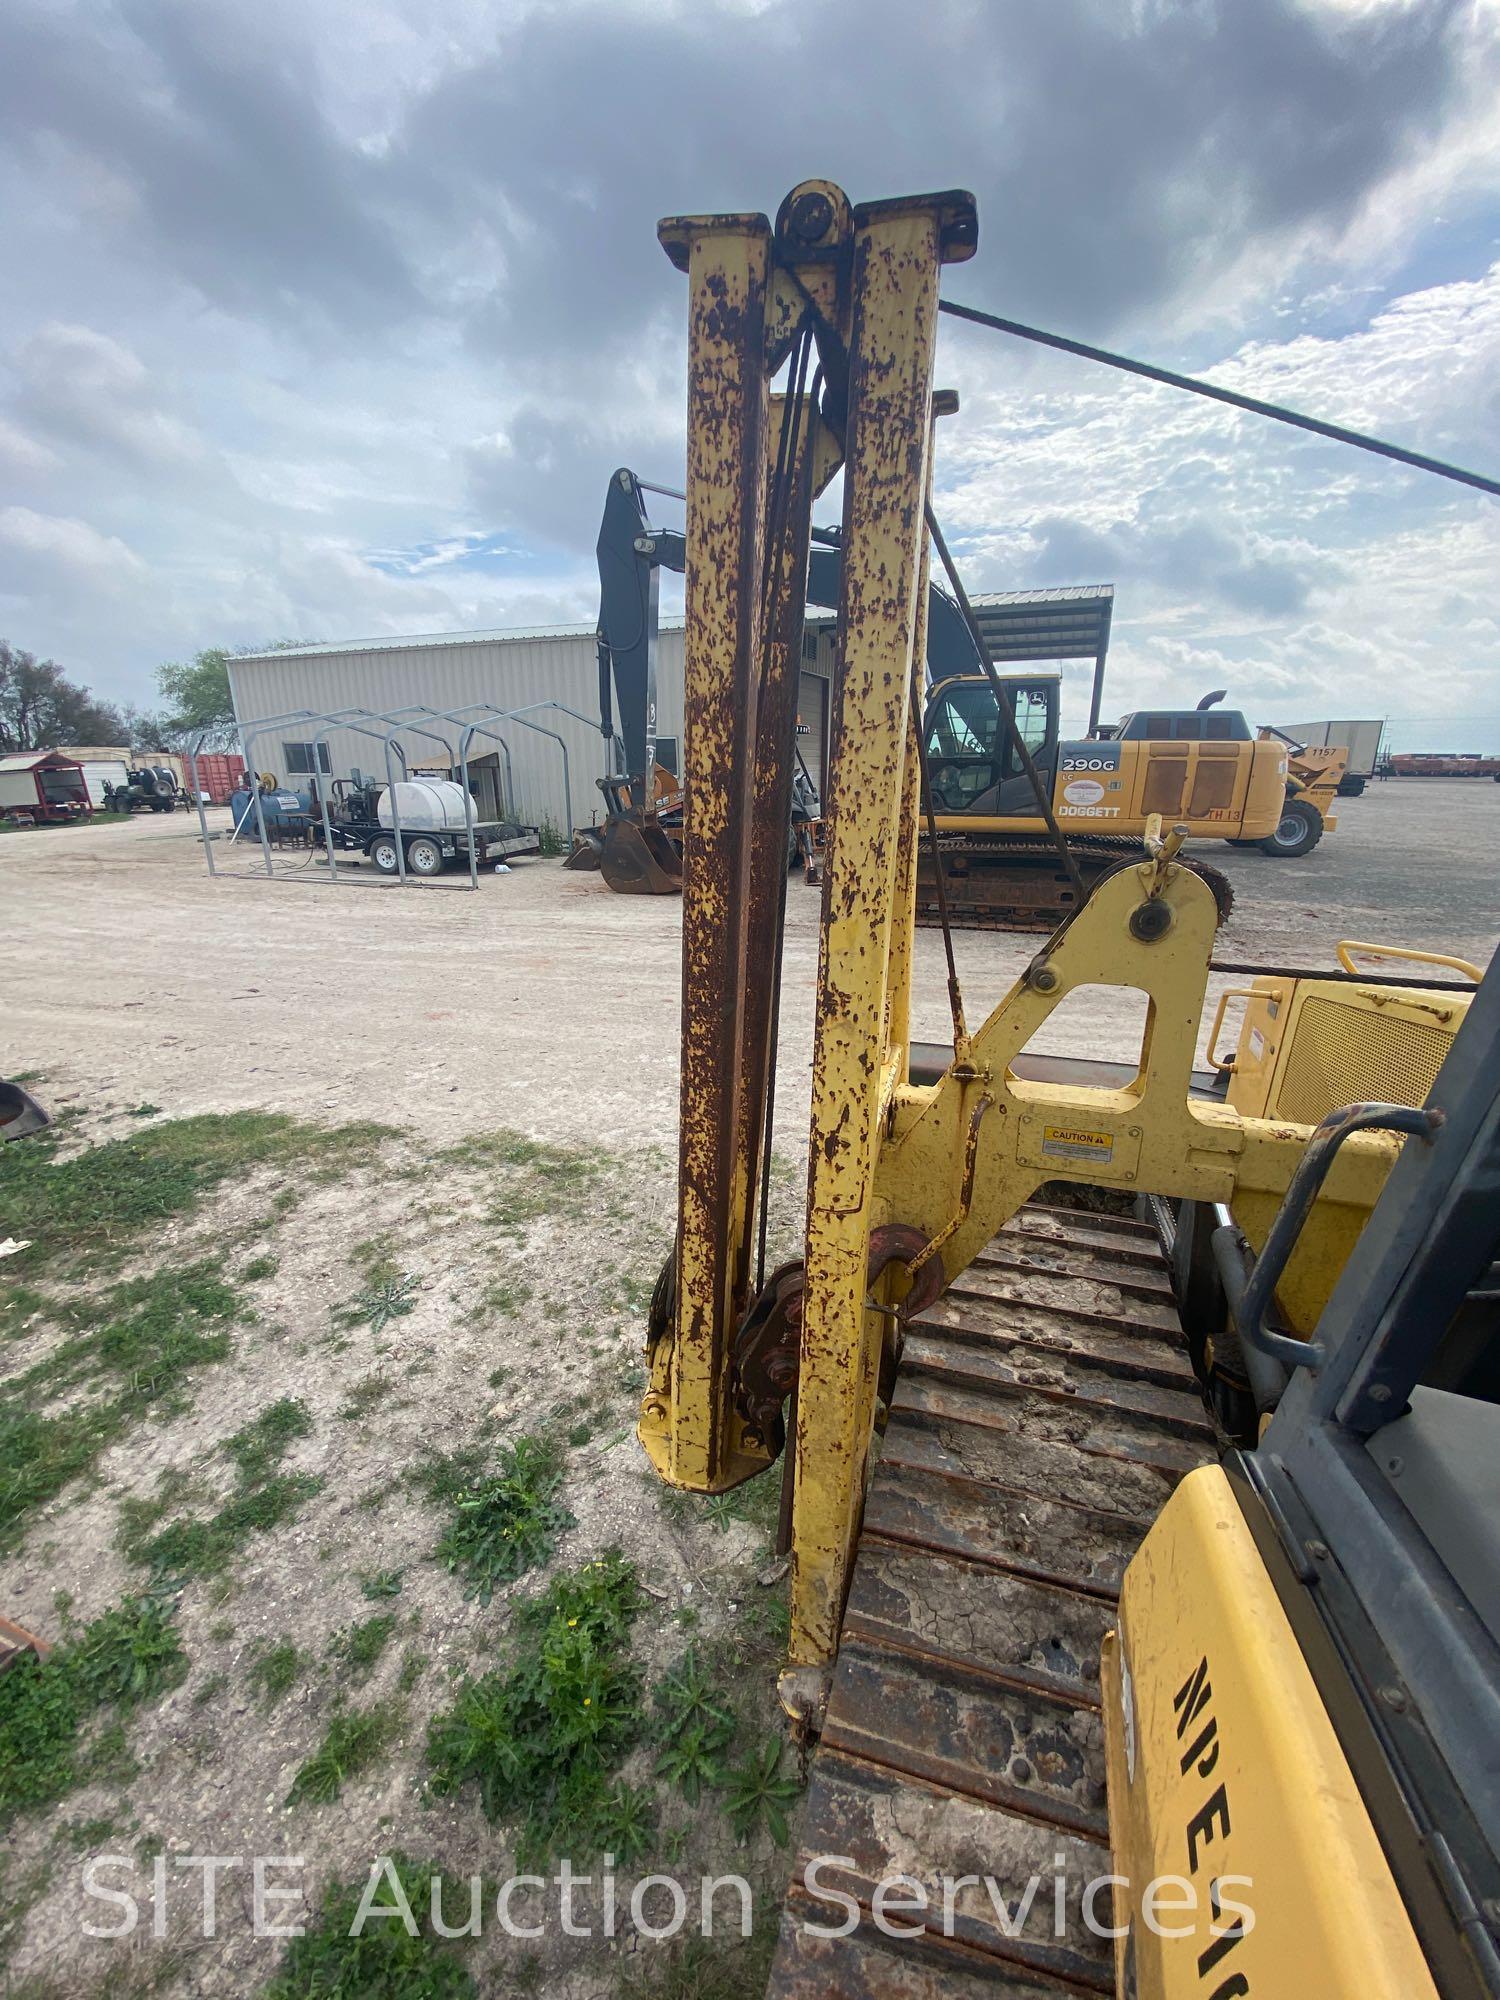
1347, 946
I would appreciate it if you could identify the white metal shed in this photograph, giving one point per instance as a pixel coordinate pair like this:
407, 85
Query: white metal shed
509, 670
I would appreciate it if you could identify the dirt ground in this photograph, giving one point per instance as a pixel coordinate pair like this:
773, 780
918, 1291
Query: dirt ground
543, 1004
544, 1001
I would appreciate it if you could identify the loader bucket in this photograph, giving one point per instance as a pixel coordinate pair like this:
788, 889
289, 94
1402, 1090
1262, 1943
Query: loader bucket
587, 851
640, 860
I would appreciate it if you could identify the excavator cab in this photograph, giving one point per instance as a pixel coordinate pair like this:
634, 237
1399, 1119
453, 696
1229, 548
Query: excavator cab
972, 764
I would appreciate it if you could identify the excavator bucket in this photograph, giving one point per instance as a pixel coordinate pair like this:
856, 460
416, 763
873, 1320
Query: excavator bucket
588, 850
640, 860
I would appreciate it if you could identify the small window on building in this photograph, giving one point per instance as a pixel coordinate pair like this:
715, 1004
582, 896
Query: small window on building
299, 759
810, 644
666, 753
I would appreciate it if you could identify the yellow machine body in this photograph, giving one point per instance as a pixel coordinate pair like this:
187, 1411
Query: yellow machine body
1313, 772
1221, 789
1307, 1045
951, 1161
908, 1182
1245, 1861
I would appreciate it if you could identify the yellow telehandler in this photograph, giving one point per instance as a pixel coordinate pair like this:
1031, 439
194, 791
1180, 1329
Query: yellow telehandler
1110, 1692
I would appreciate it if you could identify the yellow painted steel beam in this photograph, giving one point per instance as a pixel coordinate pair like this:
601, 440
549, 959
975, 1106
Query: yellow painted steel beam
898, 249
1147, 1136
689, 1425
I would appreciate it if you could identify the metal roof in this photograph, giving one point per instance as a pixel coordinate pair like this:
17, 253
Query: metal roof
28, 760
1070, 622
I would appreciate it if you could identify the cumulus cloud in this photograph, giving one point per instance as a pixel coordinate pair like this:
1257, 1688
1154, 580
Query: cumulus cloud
73, 552
333, 320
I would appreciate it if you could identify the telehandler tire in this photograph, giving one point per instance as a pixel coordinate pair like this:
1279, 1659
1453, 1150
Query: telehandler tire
1300, 831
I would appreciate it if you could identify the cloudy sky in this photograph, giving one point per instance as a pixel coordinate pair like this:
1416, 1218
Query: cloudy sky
330, 318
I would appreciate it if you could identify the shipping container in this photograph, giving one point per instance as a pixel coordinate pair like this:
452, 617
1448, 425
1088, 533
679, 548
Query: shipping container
218, 775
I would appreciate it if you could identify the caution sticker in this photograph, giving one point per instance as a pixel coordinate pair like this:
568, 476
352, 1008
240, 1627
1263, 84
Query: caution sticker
1078, 1142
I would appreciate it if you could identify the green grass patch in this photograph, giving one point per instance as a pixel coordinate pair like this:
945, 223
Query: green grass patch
20, 1305
363, 1397
264, 1498
259, 1448
503, 1297
384, 1962
359, 1649
354, 1739
259, 1269
131, 1351
702, 1969
275, 1671
507, 1521
378, 1583
191, 1548
87, 1211
532, 1178
543, 1738
49, 1709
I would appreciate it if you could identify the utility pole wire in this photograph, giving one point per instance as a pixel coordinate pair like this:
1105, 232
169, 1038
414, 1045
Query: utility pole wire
1360, 439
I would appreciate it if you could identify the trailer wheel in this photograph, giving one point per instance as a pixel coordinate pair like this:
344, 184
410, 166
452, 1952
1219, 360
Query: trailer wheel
1300, 831
424, 856
382, 851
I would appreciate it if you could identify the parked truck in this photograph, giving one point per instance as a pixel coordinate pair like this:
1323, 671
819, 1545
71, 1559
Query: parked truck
1361, 739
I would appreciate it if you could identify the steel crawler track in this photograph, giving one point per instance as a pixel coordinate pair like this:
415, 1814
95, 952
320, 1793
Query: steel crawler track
1006, 882
1044, 1411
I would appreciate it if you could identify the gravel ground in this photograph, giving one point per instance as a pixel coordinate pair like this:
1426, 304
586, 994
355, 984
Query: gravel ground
547, 1003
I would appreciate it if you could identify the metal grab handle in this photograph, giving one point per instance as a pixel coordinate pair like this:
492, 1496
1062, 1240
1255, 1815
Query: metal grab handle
1351, 945
1302, 1192
1226, 1063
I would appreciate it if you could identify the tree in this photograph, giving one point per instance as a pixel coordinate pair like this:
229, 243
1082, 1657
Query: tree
40, 707
198, 702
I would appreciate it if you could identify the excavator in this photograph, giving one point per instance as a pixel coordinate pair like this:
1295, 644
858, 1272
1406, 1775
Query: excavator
1136, 1422
1000, 796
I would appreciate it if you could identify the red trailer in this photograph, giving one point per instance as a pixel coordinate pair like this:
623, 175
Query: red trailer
41, 787
218, 775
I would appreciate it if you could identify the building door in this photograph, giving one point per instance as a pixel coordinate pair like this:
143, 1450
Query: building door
812, 727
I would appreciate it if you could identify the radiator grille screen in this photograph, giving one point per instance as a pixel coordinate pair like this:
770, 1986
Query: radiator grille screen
1347, 1055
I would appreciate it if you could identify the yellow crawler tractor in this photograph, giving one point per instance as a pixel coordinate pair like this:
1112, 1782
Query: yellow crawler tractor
1109, 1692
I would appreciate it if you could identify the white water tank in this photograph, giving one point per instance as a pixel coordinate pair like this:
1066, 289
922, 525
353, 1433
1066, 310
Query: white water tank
428, 805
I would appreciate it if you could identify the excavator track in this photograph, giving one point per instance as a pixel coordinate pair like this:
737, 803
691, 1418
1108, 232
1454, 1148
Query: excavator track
1001, 882
1044, 1411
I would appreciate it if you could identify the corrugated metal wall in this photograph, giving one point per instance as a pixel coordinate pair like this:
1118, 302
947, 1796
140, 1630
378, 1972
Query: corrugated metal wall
510, 672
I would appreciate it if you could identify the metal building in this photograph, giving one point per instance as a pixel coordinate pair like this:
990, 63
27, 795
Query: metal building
558, 663
507, 670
